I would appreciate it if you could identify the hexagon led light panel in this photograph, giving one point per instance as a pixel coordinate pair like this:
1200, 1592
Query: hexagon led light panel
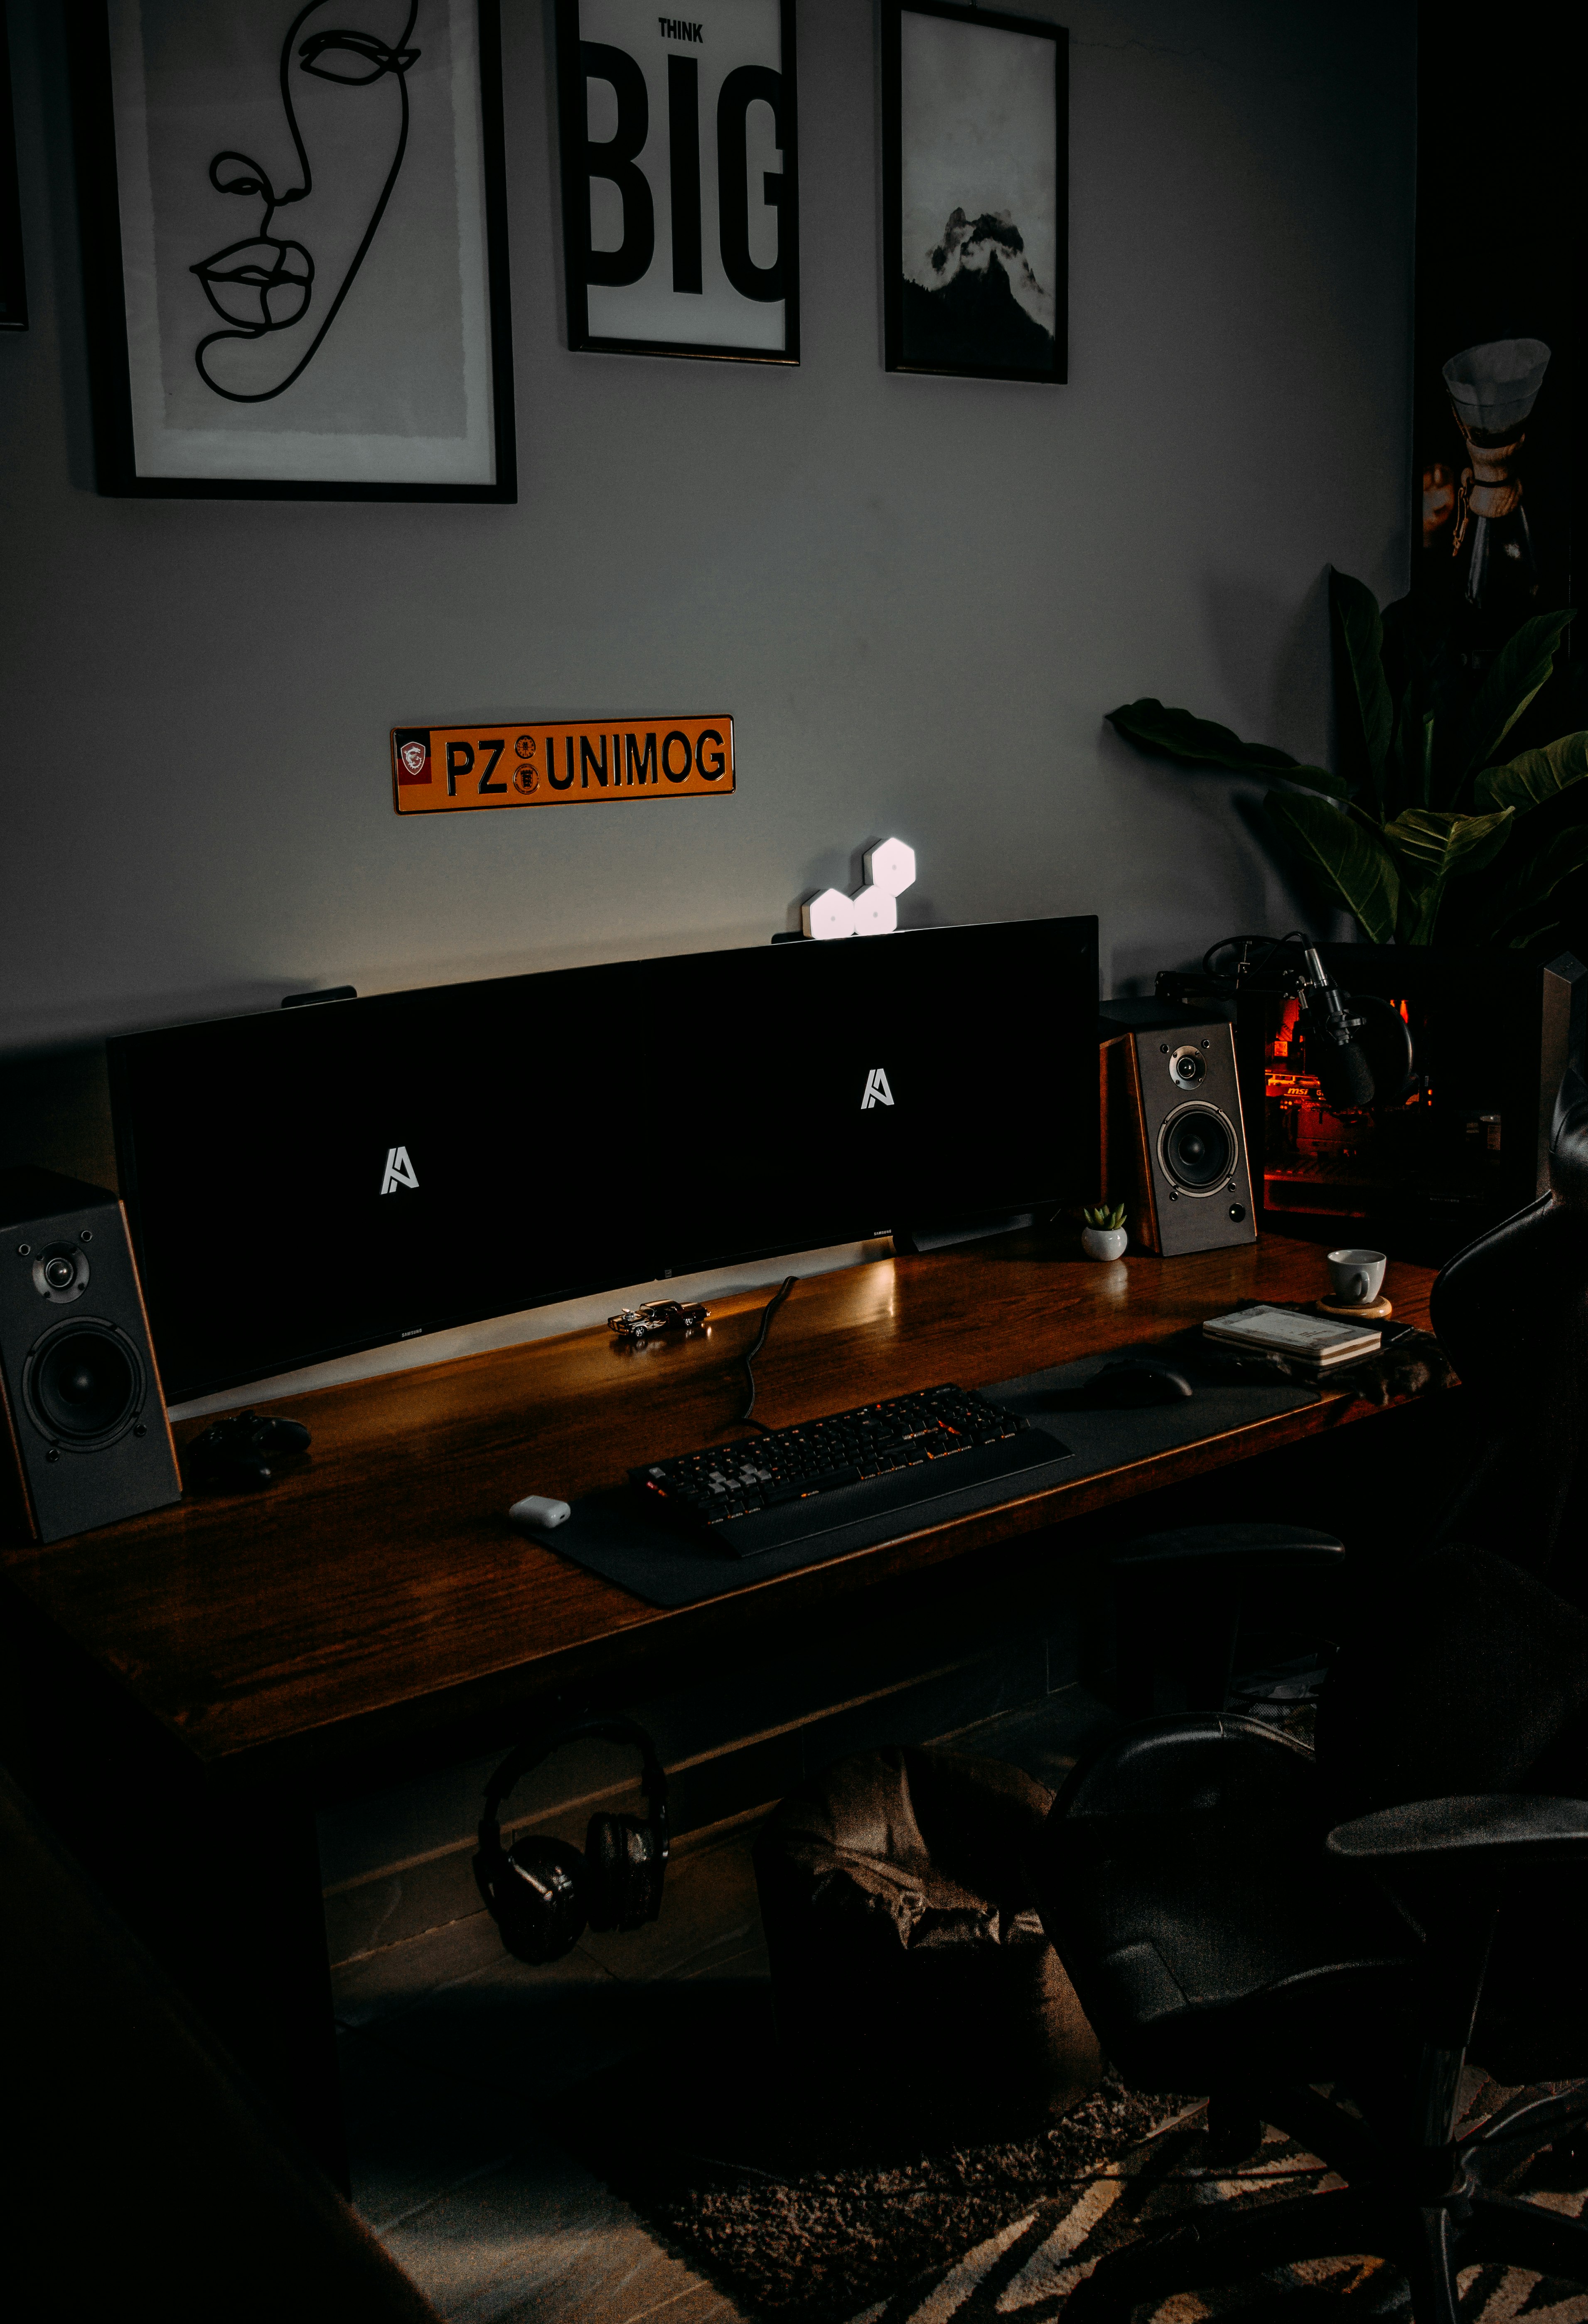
876, 912
830, 914
891, 866
873, 910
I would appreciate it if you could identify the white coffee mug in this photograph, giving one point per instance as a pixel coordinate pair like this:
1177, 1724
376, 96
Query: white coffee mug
1358, 1276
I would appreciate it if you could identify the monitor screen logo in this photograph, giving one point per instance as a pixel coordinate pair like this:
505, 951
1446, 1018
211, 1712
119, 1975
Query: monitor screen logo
400, 1171
877, 1091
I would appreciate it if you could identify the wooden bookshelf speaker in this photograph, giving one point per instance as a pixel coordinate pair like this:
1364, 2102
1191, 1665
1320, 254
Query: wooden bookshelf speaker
1174, 1139
85, 1438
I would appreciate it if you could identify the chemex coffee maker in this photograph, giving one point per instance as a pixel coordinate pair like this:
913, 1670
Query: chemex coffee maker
1492, 390
1399, 1096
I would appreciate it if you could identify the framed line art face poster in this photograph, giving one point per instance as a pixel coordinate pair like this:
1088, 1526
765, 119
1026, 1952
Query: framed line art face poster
975, 192
297, 263
680, 177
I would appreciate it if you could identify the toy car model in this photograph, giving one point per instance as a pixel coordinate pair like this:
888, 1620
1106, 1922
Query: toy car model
640, 1323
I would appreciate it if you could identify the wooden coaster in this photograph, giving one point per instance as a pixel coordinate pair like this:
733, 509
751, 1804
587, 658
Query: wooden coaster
1375, 1311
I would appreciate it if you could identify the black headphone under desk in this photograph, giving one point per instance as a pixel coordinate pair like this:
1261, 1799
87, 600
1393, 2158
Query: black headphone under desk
541, 1892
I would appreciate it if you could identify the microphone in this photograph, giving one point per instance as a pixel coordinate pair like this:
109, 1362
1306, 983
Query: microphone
1332, 1051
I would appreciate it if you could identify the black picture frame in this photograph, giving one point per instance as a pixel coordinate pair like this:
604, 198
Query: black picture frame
576, 174
903, 332
116, 463
13, 282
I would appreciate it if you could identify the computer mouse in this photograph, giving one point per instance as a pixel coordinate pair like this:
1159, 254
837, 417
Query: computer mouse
539, 1509
1138, 1380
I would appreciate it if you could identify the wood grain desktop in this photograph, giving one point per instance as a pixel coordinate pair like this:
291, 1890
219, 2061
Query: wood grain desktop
378, 1585
374, 1611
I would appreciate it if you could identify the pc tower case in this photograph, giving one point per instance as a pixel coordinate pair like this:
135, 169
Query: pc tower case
1456, 1139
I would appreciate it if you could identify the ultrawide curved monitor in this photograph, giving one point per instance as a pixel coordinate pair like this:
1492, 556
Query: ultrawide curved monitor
307, 1182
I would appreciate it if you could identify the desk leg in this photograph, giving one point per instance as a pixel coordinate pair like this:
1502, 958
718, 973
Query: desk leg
228, 1900
226, 1893
269, 1980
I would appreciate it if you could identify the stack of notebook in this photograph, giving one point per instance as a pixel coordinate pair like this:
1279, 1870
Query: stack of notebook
1316, 1342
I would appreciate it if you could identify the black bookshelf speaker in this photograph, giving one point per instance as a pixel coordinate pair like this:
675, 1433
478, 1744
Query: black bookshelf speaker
88, 1438
1174, 1137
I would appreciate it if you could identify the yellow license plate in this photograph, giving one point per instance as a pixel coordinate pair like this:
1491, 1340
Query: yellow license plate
434, 768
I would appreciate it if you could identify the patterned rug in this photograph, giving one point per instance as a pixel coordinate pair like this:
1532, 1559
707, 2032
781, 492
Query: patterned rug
808, 2228
800, 2227
1026, 2270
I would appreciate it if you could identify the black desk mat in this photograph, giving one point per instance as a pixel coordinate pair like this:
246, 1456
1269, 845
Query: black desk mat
612, 1534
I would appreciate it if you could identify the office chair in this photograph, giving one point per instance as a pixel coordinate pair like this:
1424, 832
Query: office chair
1248, 1918
1511, 1312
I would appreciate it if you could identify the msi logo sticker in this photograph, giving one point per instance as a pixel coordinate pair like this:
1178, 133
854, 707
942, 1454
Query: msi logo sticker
877, 1091
400, 1171
413, 753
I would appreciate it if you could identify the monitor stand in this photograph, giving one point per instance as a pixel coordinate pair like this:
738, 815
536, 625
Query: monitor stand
940, 1236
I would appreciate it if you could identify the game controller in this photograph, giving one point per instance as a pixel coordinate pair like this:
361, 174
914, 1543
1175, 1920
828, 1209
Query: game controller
239, 1453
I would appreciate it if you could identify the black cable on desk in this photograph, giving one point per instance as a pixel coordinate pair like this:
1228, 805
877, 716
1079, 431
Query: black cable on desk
1270, 945
772, 1305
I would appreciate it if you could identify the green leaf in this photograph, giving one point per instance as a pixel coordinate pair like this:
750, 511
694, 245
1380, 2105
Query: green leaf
1434, 843
1367, 713
1523, 936
1536, 776
1200, 742
1514, 677
1352, 863
1419, 911
1318, 779
1409, 770
1534, 881
1426, 772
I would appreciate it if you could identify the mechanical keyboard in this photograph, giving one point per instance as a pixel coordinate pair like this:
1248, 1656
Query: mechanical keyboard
793, 1484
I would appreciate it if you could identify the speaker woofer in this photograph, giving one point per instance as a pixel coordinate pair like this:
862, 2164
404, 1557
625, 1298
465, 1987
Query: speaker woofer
83, 1383
1198, 1148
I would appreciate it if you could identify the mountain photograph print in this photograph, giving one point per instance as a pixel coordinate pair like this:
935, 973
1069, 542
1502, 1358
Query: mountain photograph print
975, 108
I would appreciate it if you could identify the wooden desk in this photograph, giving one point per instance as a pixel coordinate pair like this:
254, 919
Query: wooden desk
374, 1610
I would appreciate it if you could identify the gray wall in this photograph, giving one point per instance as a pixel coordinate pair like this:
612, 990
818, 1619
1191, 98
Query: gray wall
915, 596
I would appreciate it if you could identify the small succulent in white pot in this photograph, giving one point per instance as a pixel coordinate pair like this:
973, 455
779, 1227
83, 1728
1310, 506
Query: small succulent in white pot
1103, 1232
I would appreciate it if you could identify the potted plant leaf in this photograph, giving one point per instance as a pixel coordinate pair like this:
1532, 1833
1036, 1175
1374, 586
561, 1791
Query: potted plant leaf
1102, 1231
1425, 823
